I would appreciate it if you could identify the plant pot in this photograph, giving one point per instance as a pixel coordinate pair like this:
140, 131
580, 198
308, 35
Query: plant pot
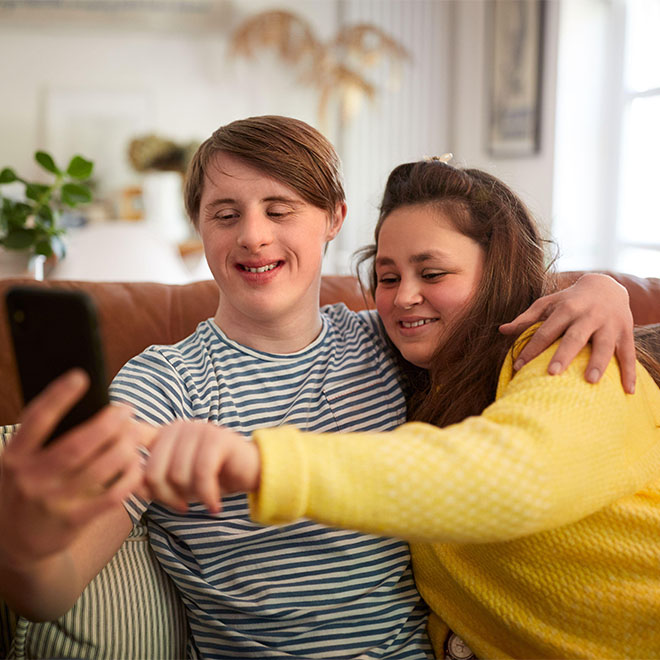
17, 263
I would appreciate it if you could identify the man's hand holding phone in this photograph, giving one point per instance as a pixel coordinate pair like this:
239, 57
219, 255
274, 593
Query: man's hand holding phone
48, 493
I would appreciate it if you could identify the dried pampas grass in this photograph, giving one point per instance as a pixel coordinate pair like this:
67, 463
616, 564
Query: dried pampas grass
335, 69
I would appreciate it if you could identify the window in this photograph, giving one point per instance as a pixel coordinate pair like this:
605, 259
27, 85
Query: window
638, 213
607, 151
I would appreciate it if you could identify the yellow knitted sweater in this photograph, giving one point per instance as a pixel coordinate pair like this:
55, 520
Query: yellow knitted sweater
535, 527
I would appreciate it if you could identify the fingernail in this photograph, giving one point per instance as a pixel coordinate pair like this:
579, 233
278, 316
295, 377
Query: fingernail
76, 376
554, 368
631, 388
518, 364
593, 376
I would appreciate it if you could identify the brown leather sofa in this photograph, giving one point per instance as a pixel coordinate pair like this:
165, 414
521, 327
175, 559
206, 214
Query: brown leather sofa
131, 609
134, 315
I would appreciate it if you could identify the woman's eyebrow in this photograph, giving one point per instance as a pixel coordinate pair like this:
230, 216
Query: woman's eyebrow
414, 259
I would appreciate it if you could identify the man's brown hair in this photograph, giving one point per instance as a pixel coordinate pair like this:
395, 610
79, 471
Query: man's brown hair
284, 148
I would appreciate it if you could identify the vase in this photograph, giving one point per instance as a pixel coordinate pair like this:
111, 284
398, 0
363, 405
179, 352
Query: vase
20, 263
162, 198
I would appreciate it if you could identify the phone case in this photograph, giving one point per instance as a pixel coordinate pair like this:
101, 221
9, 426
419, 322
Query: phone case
54, 330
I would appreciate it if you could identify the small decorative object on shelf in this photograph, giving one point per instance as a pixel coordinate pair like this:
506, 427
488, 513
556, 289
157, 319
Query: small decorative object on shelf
30, 227
163, 164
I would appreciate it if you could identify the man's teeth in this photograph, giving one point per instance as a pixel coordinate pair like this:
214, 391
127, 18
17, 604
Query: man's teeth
261, 269
416, 324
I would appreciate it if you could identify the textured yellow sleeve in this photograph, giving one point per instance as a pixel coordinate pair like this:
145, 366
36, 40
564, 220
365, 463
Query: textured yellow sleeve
549, 451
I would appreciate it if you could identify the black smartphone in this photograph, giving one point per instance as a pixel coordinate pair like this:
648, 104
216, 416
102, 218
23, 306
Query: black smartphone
54, 330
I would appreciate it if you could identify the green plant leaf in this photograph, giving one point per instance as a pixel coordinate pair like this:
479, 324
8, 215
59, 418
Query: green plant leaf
8, 175
46, 161
37, 192
44, 247
16, 213
19, 239
80, 168
75, 193
46, 214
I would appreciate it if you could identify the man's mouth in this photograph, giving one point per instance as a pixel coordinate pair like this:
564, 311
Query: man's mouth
416, 324
259, 269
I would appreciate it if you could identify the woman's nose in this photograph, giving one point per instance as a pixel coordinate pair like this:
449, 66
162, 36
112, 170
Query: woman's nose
408, 295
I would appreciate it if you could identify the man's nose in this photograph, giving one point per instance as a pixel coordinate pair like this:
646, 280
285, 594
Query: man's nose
255, 230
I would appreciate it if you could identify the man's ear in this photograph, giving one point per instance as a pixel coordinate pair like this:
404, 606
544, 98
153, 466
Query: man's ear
337, 220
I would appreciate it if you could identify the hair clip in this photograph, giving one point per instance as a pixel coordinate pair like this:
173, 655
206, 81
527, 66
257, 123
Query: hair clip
445, 158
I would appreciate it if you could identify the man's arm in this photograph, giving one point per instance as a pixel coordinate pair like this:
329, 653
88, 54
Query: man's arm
595, 309
61, 511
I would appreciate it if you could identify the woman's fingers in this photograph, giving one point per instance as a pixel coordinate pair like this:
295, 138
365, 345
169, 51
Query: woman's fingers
197, 461
156, 471
207, 467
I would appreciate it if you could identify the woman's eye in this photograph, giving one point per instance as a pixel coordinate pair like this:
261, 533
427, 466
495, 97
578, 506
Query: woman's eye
433, 275
387, 279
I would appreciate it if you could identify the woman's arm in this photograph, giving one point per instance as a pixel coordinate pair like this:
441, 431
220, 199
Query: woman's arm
549, 451
596, 308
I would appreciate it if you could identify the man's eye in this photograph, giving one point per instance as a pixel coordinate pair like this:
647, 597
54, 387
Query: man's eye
225, 216
278, 212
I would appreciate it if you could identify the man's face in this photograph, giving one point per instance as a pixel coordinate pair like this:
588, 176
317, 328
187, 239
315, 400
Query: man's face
264, 245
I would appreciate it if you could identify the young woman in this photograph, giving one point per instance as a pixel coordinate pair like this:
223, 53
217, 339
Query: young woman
532, 501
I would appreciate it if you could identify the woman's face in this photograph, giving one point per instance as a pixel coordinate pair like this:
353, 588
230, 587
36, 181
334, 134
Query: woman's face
427, 272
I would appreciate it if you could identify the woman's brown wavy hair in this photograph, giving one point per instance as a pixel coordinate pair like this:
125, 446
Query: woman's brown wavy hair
462, 378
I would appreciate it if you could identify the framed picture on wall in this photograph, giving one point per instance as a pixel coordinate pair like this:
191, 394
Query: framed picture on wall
515, 64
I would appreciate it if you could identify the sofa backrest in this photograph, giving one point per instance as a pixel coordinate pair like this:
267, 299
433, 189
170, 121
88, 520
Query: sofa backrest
134, 315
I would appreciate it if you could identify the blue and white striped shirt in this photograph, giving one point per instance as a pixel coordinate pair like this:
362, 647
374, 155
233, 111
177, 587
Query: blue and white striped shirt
301, 590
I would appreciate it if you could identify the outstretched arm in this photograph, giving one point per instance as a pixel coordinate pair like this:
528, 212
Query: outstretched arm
596, 308
548, 452
61, 511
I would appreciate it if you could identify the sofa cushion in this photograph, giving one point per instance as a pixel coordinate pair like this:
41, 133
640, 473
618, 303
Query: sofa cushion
129, 610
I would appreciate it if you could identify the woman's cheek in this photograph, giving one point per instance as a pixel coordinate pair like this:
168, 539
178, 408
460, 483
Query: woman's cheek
383, 303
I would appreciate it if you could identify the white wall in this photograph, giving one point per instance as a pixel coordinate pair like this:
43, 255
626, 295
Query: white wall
170, 74
173, 79
530, 176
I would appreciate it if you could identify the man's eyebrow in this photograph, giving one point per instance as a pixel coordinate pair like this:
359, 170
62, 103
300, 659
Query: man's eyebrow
273, 198
218, 202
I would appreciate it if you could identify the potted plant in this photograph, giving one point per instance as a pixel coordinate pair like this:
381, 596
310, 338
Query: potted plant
30, 228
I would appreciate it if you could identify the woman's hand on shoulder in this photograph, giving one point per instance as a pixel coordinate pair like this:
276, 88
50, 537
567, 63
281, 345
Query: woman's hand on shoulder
596, 308
196, 461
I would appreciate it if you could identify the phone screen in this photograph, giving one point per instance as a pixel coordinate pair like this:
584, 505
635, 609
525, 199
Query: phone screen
54, 330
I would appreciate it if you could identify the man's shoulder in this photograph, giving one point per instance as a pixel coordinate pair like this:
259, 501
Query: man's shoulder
342, 317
